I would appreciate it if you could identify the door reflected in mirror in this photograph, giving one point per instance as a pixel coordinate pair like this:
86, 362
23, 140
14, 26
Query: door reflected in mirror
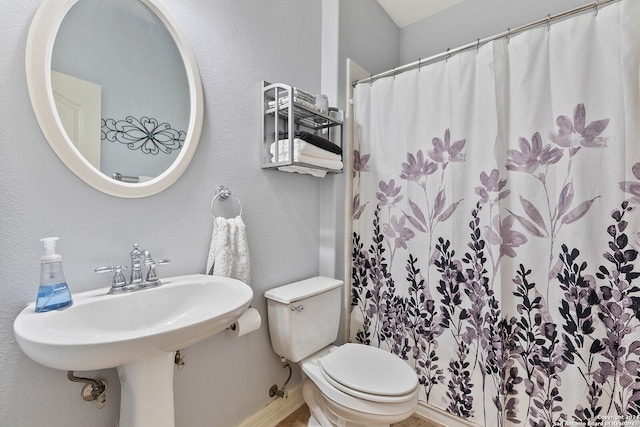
121, 88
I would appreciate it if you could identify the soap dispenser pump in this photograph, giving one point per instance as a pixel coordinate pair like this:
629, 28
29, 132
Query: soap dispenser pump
53, 293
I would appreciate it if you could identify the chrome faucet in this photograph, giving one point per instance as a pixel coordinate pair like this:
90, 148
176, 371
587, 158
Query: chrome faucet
139, 258
136, 275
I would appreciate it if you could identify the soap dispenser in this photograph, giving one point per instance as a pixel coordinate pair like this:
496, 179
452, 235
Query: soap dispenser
53, 293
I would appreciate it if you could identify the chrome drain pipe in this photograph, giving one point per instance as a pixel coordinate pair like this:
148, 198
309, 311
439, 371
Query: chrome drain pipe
94, 389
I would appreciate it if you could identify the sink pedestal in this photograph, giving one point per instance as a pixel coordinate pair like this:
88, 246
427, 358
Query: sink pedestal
147, 392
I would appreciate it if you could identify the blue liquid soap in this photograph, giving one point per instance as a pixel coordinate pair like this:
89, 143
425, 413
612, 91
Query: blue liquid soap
53, 293
53, 297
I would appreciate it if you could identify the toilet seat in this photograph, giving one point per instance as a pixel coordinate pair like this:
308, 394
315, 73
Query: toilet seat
397, 406
369, 373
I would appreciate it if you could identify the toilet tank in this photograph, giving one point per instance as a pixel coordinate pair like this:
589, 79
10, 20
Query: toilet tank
304, 316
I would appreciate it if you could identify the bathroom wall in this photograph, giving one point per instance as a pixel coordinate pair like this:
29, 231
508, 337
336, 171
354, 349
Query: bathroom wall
469, 20
369, 37
238, 44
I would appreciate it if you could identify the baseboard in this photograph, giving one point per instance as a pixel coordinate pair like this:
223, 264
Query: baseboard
277, 410
432, 413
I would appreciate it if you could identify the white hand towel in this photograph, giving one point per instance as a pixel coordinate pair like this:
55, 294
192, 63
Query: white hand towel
229, 251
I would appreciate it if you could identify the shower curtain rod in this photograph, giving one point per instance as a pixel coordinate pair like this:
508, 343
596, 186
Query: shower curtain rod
476, 45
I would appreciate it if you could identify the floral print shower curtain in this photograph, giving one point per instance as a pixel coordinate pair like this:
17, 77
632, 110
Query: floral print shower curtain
495, 224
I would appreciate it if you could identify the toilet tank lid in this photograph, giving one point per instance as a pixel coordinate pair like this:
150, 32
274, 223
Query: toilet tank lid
302, 289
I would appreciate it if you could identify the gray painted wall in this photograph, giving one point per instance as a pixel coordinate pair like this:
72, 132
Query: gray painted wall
470, 20
238, 44
369, 37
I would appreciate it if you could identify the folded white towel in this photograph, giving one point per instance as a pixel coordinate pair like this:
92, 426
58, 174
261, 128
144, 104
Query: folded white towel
229, 251
302, 147
304, 170
335, 165
314, 161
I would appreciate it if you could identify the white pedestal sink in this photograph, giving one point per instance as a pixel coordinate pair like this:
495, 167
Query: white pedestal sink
138, 333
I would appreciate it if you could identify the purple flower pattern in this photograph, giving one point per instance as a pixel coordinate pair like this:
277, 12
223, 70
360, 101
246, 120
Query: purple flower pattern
445, 152
417, 167
492, 184
534, 157
574, 134
360, 165
504, 236
514, 360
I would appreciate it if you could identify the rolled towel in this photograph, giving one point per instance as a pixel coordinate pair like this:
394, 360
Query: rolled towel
302, 147
303, 94
316, 140
310, 105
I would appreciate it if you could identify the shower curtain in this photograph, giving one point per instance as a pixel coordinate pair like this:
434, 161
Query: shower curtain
495, 224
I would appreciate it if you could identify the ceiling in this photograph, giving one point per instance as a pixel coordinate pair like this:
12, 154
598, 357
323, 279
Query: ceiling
406, 12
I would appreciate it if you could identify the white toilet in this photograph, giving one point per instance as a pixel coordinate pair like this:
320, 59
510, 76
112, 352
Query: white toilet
347, 385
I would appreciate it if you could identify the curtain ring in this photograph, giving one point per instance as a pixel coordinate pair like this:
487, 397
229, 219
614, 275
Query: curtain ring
548, 22
597, 6
478, 46
419, 64
508, 37
448, 55
223, 193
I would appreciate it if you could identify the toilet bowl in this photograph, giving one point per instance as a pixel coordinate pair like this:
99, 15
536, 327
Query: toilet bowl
359, 384
347, 385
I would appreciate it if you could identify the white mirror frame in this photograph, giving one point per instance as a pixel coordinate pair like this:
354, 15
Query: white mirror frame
40, 41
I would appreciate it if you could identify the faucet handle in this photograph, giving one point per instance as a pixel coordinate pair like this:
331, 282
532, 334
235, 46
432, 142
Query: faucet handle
119, 282
152, 274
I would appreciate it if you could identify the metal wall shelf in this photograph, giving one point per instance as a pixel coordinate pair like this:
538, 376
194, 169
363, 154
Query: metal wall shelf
289, 109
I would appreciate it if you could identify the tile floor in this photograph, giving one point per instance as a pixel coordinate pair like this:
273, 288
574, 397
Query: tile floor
300, 417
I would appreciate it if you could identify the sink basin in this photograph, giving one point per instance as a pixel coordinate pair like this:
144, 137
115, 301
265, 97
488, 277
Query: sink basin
105, 331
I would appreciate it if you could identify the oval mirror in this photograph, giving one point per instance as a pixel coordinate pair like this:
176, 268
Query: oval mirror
115, 87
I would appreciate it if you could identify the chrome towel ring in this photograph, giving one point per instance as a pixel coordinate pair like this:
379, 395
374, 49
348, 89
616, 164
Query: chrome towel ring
223, 193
